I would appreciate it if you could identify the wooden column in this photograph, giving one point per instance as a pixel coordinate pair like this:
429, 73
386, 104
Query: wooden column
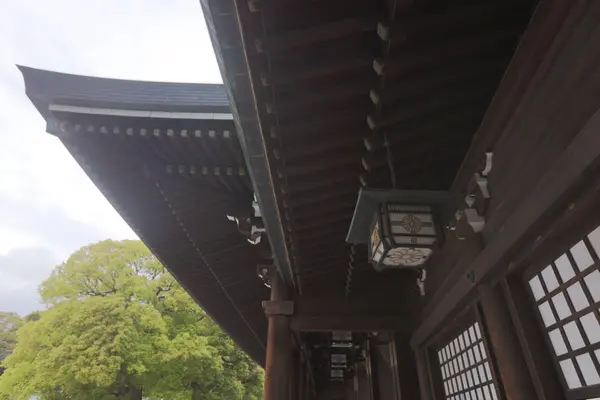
301, 379
532, 345
407, 368
279, 346
351, 388
295, 376
363, 382
424, 375
511, 364
386, 385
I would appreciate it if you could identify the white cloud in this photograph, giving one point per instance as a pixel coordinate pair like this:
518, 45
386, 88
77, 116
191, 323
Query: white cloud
48, 206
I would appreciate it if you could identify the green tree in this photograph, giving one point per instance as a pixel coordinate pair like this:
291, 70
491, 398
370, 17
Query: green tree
9, 324
119, 324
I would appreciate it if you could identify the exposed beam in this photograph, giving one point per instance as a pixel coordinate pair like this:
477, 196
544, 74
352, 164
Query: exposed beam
534, 212
545, 25
325, 146
319, 126
460, 75
420, 108
318, 33
366, 323
339, 65
413, 26
320, 183
440, 53
320, 98
349, 160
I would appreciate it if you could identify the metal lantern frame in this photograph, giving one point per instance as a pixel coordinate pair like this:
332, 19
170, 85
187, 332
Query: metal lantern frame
372, 208
383, 229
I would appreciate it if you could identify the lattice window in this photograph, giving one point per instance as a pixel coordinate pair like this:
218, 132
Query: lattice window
465, 367
567, 296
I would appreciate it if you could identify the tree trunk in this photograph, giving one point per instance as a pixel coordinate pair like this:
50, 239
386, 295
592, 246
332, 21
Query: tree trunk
136, 393
196, 392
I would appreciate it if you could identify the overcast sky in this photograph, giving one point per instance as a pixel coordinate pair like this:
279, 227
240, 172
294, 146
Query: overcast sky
48, 207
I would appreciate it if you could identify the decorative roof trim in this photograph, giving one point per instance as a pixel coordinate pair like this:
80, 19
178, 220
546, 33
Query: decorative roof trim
140, 113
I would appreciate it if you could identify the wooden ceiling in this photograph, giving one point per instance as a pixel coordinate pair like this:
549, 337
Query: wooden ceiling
371, 93
175, 182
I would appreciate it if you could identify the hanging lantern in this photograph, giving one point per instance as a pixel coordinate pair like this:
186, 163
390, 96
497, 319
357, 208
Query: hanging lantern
402, 235
401, 228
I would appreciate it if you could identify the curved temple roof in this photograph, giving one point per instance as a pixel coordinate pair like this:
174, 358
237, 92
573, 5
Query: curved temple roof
174, 175
44, 87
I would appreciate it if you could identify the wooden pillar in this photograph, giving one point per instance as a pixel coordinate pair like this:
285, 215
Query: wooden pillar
386, 385
407, 368
301, 378
279, 349
295, 376
350, 389
544, 376
423, 371
505, 344
362, 381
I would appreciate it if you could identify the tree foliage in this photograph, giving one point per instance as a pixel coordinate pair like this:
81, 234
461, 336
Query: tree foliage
9, 324
118, 326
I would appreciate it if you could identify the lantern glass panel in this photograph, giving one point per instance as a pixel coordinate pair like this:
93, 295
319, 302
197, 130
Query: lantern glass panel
407, 256
402, 235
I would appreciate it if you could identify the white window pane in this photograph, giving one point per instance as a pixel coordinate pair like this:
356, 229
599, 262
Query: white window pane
588, 370
550, 278
470, 378
568, 370
594, 238
477, 331
558, 342
565, 269
593, 283
488, 373
471, 357
477, 354
465, 360
574, 336
472, 334
591, 327
460, 364
582, 256
467, 338
546, 313
480, 394
476, 376
561, 306
464, 380
440, 357
493, 391
488, 395
482, 349
461, 342
536, 287
446, 388
577, 296
481, 371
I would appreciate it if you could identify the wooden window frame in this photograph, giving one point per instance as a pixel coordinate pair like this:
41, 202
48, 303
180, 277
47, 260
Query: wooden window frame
470, 317
593, 307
